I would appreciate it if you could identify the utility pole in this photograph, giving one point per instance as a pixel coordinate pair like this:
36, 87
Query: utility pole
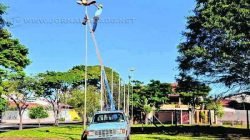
132, 111
119, 93
86, 70
102, 90
112, 83
128, 98
124, 97
132, 76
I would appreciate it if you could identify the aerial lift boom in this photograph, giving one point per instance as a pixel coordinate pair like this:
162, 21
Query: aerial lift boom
111, 105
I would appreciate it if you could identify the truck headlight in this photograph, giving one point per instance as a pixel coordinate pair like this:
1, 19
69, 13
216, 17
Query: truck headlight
90, 133
121, 131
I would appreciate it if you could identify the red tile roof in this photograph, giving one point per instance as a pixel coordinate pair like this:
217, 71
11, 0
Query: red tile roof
30, 105
225, 102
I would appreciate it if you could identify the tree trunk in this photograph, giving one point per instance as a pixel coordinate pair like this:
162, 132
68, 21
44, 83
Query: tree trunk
146, 119
193, 110
175, 118
142, 128
215, 119
39, 123
56, 113
20, 120
56, 118
247, 120
192, 116
210, 118
1, 116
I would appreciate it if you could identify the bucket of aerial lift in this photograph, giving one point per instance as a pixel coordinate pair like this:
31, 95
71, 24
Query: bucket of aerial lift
85, 2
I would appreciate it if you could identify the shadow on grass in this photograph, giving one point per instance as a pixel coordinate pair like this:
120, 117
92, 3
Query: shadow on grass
156, 138
65, 135
195, 131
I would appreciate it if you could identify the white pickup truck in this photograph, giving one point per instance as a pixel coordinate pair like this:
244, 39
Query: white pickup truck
108, 125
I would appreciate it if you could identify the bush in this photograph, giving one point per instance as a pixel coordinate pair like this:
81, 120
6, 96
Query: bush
76, 119
202, 115
38, 113
232, 123
62, 119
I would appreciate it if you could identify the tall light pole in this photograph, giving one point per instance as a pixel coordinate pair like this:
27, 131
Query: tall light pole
112, 82
119, 93
102, 89
124, 96
86, 70
128, 97
132, 76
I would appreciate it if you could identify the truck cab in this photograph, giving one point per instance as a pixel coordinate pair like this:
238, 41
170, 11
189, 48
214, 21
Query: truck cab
111, 125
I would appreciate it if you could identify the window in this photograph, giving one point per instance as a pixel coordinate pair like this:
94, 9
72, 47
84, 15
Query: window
110, 117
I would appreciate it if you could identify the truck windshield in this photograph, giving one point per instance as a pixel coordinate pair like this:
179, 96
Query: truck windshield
109, 117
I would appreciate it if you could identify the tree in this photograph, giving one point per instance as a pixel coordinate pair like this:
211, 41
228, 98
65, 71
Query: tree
156, 93
56, 86
146, 110
3, 22
138, 94
3, 104
191, 90
94, 75
77, 101
94, 78
217, 107
217, 43
13, 55
19, 90
38, 113
213, 104
52, 85
147, 97
138, 100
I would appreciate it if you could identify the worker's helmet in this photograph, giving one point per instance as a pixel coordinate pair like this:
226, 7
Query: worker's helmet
100, 5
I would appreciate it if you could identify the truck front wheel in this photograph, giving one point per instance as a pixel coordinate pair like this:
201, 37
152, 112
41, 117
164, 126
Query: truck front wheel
84, 137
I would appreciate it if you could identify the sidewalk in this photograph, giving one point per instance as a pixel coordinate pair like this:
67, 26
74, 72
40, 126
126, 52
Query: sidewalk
4, 127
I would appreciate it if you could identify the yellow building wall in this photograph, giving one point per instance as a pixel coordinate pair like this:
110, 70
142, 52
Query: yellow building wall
74, 115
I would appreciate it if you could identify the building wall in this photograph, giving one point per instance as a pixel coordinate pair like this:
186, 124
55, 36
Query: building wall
165, 116
13, 117
234, 117
168, 117
184, 117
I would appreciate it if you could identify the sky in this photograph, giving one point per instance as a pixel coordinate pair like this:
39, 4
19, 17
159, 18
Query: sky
135, 34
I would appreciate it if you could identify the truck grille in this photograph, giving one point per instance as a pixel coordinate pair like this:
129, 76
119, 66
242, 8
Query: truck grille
105, 133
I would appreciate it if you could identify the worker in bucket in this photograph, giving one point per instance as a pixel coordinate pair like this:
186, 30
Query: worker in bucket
96, 17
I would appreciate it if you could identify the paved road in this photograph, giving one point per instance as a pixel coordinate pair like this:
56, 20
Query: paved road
9, 127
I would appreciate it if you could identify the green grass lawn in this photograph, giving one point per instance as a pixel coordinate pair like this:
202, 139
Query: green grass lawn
60, 133
74, 133
166, 137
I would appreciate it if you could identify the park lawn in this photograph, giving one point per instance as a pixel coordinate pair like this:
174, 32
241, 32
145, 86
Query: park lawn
165, 137
150, 125
53, 133
74, 133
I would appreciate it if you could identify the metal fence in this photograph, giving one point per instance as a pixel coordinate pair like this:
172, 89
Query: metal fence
234, 117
